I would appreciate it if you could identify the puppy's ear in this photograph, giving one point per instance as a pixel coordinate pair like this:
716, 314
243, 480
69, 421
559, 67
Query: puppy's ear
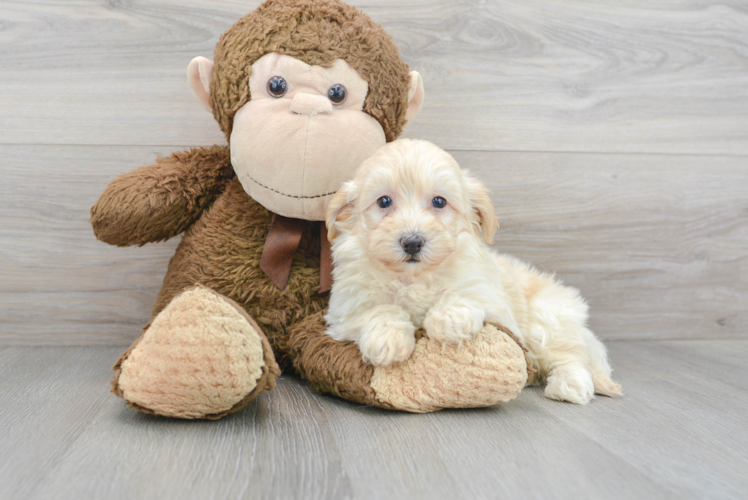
340, 208
483, 216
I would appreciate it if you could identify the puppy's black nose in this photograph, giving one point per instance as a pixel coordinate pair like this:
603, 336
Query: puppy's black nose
412, 244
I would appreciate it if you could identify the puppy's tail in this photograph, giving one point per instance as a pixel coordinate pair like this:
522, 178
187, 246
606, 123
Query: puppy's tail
600, 368
605, 386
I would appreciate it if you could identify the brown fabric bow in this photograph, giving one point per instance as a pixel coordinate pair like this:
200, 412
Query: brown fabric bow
281, 245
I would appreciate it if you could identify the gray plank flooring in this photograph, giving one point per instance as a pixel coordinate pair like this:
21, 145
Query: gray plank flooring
679, 432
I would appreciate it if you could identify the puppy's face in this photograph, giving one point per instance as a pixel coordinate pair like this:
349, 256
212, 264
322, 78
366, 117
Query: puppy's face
408, 206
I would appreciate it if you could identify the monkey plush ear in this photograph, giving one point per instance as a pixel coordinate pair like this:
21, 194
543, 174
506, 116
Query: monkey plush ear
415, 95
198, 73
484, 217
340, 209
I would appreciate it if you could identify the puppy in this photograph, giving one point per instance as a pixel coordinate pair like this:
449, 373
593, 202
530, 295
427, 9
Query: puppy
410, 239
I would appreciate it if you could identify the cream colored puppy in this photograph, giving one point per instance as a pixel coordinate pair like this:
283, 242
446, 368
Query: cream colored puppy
410, 241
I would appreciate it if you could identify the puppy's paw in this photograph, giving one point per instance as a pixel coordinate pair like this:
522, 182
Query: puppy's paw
453, 323
388, 342
572, 383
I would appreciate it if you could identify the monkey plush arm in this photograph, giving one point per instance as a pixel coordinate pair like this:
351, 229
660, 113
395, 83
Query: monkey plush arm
159, 201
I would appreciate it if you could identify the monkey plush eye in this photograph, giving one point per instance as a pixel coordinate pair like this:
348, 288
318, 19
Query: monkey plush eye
277, 86
336, 93
384, 202
439, 202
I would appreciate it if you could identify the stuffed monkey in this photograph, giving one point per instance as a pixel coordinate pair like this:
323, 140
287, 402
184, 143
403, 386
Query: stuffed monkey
304, 91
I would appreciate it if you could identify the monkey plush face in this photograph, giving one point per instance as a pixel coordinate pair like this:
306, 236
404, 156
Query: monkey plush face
305, 91
302, 135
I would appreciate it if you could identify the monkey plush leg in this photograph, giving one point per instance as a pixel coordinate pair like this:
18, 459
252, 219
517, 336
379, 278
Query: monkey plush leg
202, 356
489, 369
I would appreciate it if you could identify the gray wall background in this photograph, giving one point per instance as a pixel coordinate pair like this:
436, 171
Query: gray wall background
613, 135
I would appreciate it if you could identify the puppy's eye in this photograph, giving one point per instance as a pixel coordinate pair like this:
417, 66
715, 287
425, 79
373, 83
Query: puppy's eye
336, 94
277, 86
384, 202
438, 202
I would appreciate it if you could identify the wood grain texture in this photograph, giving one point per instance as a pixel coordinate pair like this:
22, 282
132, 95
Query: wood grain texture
57, 279
537, 75
656, 243
679, 432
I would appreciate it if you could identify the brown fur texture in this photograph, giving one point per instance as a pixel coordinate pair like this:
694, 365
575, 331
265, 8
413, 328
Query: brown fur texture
222, 251
316, 32
157, 202
196, 193
330, 366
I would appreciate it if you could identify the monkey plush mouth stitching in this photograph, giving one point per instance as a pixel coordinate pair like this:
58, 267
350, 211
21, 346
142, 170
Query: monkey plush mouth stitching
288, 195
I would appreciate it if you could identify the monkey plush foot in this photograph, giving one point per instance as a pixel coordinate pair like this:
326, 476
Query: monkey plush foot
488, 369
201, 357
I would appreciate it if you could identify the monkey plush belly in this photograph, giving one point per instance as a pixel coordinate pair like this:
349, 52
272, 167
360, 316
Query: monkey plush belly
222, 252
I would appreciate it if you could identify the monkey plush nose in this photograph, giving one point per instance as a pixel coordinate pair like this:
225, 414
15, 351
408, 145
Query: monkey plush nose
310, 104
412, 244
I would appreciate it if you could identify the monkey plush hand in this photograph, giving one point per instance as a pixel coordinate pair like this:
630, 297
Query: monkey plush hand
304, 91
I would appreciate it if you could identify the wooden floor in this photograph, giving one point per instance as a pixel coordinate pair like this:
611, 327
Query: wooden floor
680, 431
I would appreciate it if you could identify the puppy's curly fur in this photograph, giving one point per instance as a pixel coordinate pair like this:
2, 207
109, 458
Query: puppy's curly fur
410, 243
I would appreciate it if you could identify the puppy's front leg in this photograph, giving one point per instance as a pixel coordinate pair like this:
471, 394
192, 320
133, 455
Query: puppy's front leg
454, 319
384, 333
388, 337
